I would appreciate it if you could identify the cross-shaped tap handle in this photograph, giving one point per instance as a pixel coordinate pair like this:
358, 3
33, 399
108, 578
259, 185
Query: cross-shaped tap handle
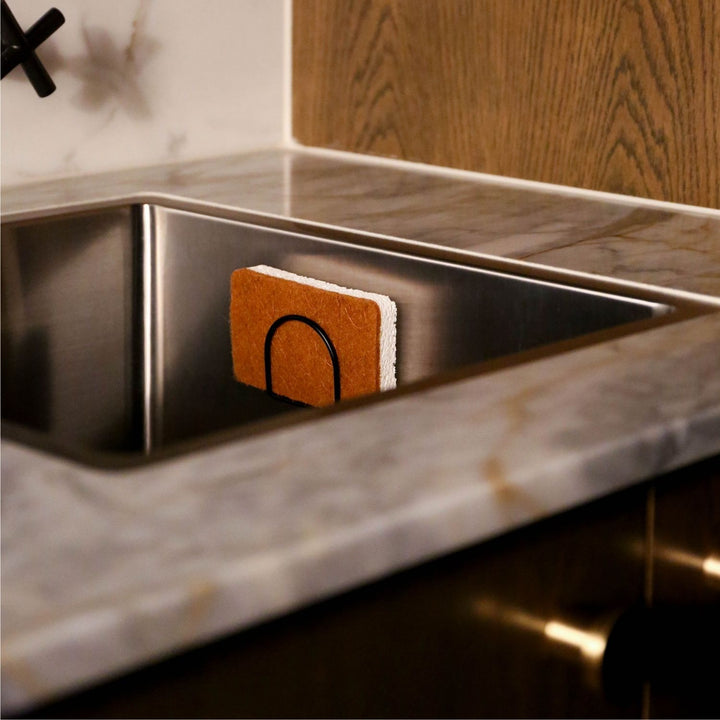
18, 47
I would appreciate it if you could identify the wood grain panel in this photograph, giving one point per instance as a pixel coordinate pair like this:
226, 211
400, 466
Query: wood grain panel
616, 95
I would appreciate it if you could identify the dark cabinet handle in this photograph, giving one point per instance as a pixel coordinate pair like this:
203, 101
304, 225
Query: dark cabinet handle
674, 648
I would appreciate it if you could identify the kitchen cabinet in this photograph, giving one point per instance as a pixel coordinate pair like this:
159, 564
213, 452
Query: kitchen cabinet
546, 621
686, 593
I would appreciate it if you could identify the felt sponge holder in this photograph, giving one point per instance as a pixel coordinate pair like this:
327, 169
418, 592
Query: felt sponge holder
324, 337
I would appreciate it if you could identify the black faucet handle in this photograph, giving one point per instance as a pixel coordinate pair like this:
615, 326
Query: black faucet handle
18, 47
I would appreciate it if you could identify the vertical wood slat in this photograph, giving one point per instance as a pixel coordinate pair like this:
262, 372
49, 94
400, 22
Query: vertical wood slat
616, 95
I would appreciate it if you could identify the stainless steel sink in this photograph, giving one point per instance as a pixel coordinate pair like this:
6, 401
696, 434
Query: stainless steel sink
115, 338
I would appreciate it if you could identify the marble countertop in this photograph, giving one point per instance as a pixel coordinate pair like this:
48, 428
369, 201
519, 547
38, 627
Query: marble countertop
105, 570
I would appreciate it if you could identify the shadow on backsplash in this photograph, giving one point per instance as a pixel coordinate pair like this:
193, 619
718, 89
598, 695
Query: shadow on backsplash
108, 72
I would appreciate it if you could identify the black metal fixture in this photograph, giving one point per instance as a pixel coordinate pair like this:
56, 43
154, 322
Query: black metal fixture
328, 344
18, 47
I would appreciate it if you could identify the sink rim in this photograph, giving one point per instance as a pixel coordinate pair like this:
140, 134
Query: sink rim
684, 306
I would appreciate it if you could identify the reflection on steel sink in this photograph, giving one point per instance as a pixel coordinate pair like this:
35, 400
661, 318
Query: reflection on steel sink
115, 339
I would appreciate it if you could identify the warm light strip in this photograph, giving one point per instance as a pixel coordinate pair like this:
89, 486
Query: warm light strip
711, 566
591, 645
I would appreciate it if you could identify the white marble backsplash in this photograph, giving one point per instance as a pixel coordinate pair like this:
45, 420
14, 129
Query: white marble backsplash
144, 82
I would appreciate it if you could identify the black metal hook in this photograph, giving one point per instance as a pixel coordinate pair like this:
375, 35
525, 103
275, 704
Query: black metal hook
18, 47
328, 344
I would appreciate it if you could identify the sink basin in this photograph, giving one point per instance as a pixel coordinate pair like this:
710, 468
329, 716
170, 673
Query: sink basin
115, 338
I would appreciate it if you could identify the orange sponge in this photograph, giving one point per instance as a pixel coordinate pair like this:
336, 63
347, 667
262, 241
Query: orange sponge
303, 324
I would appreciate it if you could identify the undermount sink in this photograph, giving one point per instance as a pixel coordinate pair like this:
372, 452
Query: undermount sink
115, 337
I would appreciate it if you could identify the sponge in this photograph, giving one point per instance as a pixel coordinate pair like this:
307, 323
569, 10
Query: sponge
296, 312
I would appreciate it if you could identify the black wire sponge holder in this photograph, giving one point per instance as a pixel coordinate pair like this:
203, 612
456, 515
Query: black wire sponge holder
270, 335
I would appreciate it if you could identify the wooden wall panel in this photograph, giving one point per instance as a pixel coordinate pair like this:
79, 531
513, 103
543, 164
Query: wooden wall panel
616, 95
